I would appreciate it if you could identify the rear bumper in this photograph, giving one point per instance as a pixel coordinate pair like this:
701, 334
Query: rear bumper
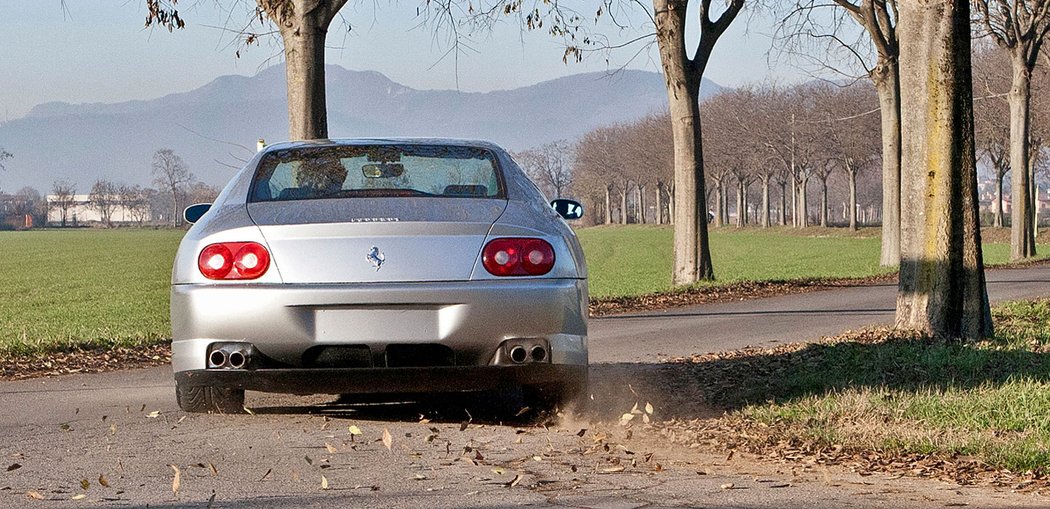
470, 318
385, 380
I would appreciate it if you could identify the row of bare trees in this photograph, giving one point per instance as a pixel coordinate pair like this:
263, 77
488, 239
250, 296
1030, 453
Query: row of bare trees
786, 143
176, 187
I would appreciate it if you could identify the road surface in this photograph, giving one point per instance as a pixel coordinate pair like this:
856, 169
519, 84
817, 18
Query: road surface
117, 439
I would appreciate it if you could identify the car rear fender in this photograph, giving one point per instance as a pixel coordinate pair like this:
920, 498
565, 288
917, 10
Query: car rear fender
223, 223
534, 219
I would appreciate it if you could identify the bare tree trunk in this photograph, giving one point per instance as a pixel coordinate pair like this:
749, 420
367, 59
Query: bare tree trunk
659, 203
640, 193
887, 84
623, 203
942, 289
824, 202
794, 202
803, 202
1022, 243
997, 207
740, 203
671, 206
718, 204
783, 204
852, 172
608, 205
303, 34
765, 202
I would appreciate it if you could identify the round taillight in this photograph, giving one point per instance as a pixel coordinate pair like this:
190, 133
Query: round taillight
518, 257
251, 261
215, 261
234, 260
537, 257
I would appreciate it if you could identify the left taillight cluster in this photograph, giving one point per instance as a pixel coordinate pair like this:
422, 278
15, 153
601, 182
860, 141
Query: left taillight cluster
234, 260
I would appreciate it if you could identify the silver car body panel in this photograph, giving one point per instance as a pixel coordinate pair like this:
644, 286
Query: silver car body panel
324, 286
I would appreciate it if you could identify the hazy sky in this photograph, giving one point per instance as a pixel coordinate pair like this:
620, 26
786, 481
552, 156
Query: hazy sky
98, 51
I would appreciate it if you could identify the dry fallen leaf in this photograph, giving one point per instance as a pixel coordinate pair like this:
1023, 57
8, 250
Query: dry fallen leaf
35, 495
248, 411
388, 440
102, 481
514, 482
613, 470
14, 466
331, 450
324, 483
154, 414
176, 482
420, 477
354, 430
79, 496
267, 474
85, 484
728, 486
214, 471
626, 418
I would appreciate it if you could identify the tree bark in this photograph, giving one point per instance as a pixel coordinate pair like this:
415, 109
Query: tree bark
623, 203
803, 202
765, 202
942, 288
824, 202
608, 205
1022, 242
783, 204
692, 251
719, 201
740, 212
886, 77
303, 31
659, 203
852, 173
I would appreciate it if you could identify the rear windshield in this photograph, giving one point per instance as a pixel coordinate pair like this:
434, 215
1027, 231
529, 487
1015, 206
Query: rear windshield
310, 173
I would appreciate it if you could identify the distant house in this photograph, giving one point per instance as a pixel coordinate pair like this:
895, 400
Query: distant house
80, 211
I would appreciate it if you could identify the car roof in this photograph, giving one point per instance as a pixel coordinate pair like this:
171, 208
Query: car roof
385, 141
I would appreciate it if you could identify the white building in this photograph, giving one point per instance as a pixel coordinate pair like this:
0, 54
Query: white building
81, 211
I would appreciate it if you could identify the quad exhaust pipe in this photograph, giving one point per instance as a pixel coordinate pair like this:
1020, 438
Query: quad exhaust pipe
230, 356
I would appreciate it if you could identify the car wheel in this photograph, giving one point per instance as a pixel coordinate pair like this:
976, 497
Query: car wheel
209, 399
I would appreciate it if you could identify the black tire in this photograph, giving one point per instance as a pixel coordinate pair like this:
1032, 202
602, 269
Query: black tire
210, 399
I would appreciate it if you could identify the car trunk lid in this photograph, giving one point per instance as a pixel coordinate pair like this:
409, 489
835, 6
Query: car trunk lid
356, 240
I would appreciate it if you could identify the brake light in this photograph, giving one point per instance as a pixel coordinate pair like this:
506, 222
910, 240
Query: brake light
518, 257
234, 260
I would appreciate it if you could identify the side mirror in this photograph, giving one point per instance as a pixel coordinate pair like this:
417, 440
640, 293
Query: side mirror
568, 209
193, 213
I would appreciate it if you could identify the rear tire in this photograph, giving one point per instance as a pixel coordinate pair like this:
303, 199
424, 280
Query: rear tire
209, 399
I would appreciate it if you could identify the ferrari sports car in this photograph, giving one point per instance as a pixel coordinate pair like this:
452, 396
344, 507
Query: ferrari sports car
379, 266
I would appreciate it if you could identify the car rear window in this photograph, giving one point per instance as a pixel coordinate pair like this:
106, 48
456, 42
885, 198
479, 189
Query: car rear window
348, 171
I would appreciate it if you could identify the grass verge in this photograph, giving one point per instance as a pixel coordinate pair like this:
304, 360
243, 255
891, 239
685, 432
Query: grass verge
884, 400
634, 260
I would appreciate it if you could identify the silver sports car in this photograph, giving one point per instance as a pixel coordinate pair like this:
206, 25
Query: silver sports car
372, 266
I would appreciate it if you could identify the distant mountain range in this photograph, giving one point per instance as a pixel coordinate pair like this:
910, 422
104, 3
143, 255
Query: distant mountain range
217, 125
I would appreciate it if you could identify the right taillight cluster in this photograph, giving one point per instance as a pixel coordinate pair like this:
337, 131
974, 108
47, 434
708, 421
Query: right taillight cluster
234, 260
518, 257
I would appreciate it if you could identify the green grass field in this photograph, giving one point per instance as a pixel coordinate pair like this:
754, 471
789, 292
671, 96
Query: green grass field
110, 287
84, 287
635, 259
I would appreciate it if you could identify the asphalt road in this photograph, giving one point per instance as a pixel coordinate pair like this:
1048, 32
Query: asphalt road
116, 439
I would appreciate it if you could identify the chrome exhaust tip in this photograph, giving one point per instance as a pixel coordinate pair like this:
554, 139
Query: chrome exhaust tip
518, 354
217, 359
238, 359
539, 354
